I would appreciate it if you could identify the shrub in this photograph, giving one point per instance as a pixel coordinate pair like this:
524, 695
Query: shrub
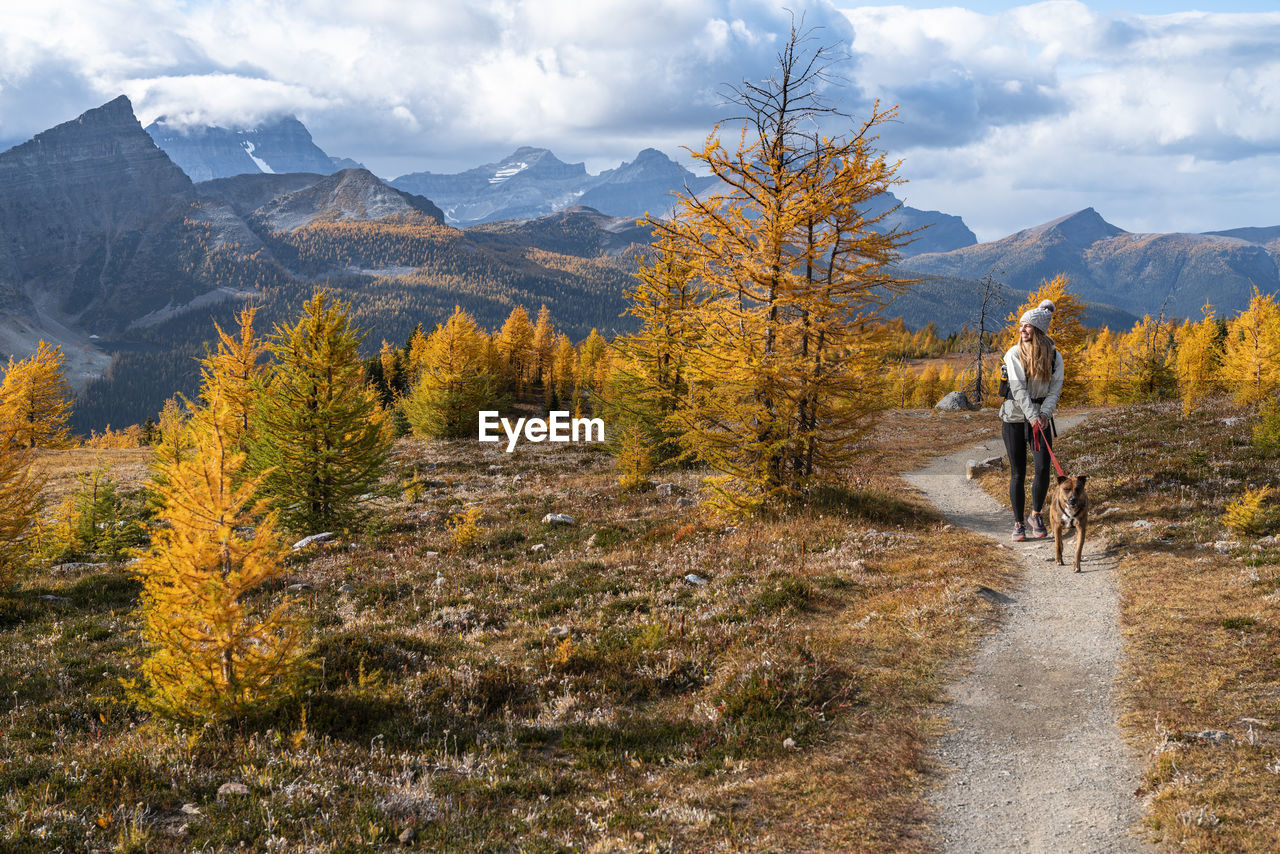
1251, 514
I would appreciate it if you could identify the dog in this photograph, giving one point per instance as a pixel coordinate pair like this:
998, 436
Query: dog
1070, 509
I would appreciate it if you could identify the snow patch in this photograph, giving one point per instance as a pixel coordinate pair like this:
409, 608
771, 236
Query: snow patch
257, 161
507, 171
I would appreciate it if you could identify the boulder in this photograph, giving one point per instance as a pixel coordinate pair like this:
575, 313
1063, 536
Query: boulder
557, 519
955, 401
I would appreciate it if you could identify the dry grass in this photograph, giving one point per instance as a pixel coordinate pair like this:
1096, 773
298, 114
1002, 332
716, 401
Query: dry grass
1201, 617
545, 688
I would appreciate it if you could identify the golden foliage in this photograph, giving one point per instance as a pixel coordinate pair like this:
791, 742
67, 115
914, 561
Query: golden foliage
209, 655
35, 400
1251, 357
1067, 331
20, 505
1251, 513
464, 527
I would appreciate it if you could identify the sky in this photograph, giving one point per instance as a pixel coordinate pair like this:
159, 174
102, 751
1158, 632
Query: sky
1159, 116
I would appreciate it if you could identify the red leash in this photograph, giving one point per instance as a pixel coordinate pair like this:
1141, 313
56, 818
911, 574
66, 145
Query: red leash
1037, 436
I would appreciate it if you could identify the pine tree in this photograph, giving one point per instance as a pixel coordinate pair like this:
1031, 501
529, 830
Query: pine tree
20, 506
210, 656
454, 382
35, 400
1251, 357
1067, 331
321, 440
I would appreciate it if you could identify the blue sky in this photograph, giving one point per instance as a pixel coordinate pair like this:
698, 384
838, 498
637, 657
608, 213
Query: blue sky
1162, 117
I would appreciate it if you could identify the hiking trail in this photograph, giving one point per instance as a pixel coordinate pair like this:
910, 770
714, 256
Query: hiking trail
1033, 760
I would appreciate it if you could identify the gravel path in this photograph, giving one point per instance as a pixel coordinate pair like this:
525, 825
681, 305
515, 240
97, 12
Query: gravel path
1034, 760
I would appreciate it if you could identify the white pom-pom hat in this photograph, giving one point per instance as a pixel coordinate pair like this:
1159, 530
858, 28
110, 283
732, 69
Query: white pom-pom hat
1040, 316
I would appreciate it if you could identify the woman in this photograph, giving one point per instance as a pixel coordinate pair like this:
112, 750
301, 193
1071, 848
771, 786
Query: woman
1035, 370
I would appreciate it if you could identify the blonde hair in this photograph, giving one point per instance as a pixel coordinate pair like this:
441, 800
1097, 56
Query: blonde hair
1037, 355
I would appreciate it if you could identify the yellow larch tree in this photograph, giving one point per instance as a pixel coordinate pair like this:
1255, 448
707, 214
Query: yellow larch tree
544, 336
233, 371
20, 505
35, 400
1198, 359
791, 269
1103, 370
515, 343
210, 655
1251, 351
564, 366
1067, 331
454, 382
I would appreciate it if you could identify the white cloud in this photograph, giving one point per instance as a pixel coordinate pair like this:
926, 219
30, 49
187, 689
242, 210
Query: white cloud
1007, 119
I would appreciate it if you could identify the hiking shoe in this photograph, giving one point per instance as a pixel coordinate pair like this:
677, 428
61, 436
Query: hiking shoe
1037, 527
1019, 533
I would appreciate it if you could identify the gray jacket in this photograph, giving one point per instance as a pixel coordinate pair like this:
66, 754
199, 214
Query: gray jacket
1019, 407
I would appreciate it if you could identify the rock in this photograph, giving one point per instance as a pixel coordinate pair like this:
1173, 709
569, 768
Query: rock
1141, 523
685, 501
789, 743
313, 540
695, 580
74, 568
346, 588
407, 836
495, 467
1223, 547
190, 809
538, 547
51, 598
439, 582
955, 401
974, 468
1231, 422
558, 519
431, 554
558, 632
1109, 511
298, 587
1213, 736
232, 789
666, 490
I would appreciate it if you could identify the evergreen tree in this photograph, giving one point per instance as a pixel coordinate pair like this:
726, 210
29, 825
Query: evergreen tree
210, 656
321, 440
454, 382
35, 400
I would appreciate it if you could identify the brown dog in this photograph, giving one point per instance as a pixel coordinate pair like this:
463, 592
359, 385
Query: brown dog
1070, 509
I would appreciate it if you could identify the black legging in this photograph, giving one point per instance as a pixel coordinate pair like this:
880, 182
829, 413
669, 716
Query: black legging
1017, 436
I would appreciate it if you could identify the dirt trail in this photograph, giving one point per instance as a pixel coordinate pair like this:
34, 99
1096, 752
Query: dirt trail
1033, 760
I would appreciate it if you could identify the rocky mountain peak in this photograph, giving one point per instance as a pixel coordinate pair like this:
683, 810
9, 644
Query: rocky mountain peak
1081, 228
355, 194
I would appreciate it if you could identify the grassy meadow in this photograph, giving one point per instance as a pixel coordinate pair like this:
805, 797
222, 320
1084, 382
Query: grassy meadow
644, 679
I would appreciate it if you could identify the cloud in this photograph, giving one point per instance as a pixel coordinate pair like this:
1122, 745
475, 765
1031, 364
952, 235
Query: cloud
1052, 106
1007, 118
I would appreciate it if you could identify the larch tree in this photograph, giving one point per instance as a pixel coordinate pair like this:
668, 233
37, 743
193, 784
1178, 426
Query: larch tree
544, 336
1251, 357
20, 506
210, 654
564, 365
515, 343
320, 438
1198, 358
791, 268
233, 371
35, 400
454, 382
1103, 369
1148, 360
1067, 331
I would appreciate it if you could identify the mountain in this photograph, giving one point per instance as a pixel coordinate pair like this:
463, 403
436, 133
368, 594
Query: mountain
278, 146
532, 182
1137, 273
936, 231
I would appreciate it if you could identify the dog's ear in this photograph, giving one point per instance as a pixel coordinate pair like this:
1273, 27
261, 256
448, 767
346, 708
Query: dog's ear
1061, 479
1080, 478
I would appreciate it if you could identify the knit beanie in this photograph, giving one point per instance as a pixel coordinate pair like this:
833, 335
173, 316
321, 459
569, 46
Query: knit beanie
1039, 316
